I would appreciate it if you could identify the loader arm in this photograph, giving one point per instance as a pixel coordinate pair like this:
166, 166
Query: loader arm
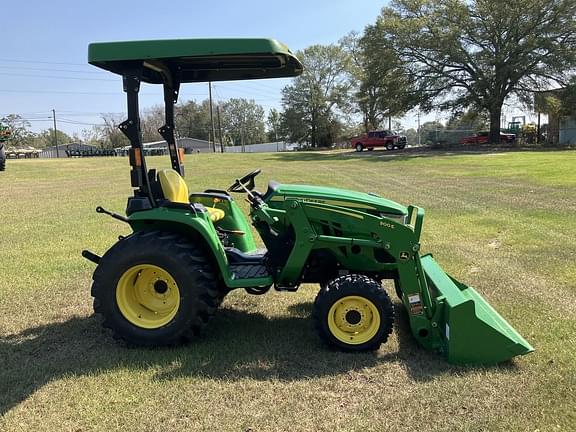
445, 315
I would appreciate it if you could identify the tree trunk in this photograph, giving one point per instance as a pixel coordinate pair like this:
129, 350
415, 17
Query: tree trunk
313, 134
495, 118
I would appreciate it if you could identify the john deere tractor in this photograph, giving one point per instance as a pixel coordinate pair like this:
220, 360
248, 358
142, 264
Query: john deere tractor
161, 284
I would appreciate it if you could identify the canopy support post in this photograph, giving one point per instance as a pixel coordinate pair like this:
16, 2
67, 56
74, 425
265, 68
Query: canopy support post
131, 128
171, 90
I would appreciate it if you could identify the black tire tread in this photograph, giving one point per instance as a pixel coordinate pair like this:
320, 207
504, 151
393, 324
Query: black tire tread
191, 256
353, 284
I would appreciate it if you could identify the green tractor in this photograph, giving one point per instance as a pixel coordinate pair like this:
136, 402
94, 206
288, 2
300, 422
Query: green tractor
161, 284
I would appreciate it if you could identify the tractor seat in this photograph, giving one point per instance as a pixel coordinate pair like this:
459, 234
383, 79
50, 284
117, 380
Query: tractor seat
175, 190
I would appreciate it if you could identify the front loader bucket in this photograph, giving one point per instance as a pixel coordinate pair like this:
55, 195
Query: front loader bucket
472, 331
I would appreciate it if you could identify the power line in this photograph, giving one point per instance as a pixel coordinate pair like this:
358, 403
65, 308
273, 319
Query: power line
219, 98
46, 116
70, 92
88, 114
73, 122
51, 70
41, 62
57, 77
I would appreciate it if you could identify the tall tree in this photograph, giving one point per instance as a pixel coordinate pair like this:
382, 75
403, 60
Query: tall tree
243, 121
274, 124
152, 120
93, 136
381, 86
477, 53
109, 131
468, 120
20, 134
193, 119
45, 138
312, 102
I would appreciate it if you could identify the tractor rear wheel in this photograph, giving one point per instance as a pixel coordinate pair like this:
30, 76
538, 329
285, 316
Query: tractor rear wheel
353, 313
155, 288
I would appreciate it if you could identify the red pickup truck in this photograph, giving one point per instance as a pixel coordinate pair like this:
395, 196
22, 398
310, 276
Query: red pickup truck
482, 138
381, 138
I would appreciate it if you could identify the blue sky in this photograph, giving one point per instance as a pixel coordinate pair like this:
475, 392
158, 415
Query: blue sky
44, 48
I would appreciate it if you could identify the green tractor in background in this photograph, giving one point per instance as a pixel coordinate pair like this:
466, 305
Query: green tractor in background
161, 284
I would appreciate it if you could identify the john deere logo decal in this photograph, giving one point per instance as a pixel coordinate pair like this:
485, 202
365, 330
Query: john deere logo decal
404, 256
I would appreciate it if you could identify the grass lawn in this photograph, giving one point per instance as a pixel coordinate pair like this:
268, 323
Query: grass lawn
503, 222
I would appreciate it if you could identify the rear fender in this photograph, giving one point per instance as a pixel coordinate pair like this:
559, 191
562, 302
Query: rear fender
234, 219
194, 226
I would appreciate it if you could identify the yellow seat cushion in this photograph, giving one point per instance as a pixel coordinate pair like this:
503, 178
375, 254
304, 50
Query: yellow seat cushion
173, 186
175, 190
216, 214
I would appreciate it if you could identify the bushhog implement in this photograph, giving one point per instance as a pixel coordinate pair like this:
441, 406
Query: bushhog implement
161, 284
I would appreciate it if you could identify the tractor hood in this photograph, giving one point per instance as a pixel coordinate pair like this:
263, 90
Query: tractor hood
368, 202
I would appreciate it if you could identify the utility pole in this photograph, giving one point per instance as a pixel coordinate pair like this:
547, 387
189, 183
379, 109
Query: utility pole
219, 129
55, 134
538, 130
212, 117
242, 136
418, 128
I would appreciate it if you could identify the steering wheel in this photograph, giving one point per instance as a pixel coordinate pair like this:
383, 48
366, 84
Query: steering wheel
246, 182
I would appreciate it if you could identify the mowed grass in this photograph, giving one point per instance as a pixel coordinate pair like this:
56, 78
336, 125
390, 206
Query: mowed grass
503, 222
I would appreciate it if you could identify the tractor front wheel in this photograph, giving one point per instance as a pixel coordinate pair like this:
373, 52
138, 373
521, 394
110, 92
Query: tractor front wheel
155, 288
353, 313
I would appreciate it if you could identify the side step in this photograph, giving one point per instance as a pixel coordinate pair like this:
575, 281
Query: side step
249, 271
247, 265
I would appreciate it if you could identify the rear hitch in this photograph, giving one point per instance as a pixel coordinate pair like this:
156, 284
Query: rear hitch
114, 215
90, 256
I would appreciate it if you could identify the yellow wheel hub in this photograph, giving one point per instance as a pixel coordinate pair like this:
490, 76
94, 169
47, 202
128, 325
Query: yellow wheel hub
148, 296
353, 320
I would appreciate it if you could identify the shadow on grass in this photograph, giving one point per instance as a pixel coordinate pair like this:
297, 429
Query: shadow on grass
237, 345
381, 155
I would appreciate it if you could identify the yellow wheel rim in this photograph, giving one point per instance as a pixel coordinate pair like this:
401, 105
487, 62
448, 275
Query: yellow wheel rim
148, 296
353, 320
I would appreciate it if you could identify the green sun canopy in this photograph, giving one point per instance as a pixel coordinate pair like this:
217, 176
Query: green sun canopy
197, 60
